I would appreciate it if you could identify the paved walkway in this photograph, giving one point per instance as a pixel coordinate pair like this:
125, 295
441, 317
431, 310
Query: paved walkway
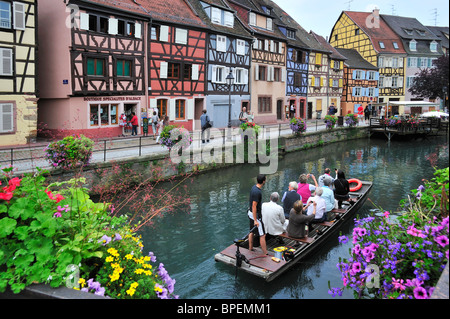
26, 158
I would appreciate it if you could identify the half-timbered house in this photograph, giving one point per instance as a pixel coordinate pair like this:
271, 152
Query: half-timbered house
360, 83
335, 75
268, 67
18, 100
176, 61
367, 33
228, 50
92, 65
297, 58
318, 80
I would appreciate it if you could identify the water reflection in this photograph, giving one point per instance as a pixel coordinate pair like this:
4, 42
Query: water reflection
186, 242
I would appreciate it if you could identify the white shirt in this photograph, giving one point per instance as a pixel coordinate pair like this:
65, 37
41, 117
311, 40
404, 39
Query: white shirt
273, 218
320, 208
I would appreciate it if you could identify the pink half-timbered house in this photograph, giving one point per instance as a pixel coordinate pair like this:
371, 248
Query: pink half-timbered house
176, 61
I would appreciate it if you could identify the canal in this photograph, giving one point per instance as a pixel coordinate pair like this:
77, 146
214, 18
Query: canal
186, 241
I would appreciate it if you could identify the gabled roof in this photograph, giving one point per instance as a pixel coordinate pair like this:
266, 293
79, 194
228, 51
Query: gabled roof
334, 53
303, 39
172, 11
242, 8
409, 28
237, 30
355, 60
123, 5
442, 33
378, 33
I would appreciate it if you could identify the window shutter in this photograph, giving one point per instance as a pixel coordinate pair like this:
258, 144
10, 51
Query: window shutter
153, 104
283, 75
332, 65
266, 45
318, 58
113, 26
229, 19
376, 92
172, 110
221, 43
6, 117
6, 62
245, 80
164, 33
240, 47
354, 91
341, 83
213, 73
19, 16
138, 30
195, 68
270, 74
313, 81
190, 109
400, 81
215, 15
354, 74
272, 46
331, 83
342, 65
280, 48
321, 80
252, 18
163, 70
84, 21
180, 36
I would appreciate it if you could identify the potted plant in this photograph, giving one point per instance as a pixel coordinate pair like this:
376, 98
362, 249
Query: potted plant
70, 152
171, 135
297, 125
330, 121
351, 120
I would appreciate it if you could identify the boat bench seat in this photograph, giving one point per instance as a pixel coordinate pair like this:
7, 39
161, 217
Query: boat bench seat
328, 224
307, 240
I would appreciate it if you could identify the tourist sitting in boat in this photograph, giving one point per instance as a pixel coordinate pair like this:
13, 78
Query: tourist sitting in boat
273, 216
318, 207
341, 188
305, 189
326, 173
328, 194
289, 198
298, 221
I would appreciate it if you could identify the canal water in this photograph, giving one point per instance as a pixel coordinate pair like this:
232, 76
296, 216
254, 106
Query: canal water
186, 241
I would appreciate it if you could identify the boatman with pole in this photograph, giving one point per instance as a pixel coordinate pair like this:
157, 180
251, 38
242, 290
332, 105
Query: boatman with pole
255, 215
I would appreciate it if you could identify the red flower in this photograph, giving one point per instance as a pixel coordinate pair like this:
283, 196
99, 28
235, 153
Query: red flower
7, 191
57, 197
6, 196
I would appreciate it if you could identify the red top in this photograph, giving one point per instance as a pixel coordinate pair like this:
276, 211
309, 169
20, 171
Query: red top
360, 110
134, 120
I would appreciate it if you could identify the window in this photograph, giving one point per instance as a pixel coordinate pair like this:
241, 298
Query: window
103, 114
290, 34
126, 28
277, 74
412, 62
382, 46
433, 46
394, 81
358, 75
161, 104
173, 70
6, 117
240, 76
297, 79
318, 58
124, 68
264, 104
423, 62
228, 19
6, 61
180, 108
413, 45
409, 81
357, 31
187, 71
395, 44
219, 74
395, 62
371, 75
262, 73
221, 44
5, 15
381, 82
421, 32
408, 31
357, 91
381, 62
95, 66
154, 33
216, 15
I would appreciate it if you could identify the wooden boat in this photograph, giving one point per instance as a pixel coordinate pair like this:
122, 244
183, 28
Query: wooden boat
255, 263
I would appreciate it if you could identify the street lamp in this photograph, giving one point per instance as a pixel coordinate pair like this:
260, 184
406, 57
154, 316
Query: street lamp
230, 81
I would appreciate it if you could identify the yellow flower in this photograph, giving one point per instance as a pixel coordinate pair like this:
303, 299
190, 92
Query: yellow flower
158, 289
129, 256
134, 285
82, 282
115, 265
148, 272
147, 258
113, 252
139, 271
109, 259
115, 276
131, 291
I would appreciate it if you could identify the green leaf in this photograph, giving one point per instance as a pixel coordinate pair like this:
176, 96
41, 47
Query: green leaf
7, 226
40, 246
21, 232
22, 208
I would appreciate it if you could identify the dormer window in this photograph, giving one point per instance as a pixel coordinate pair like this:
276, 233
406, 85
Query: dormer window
433, 46
408, 31
252, 18
413, 45
420, 32
290, 33
222, 17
